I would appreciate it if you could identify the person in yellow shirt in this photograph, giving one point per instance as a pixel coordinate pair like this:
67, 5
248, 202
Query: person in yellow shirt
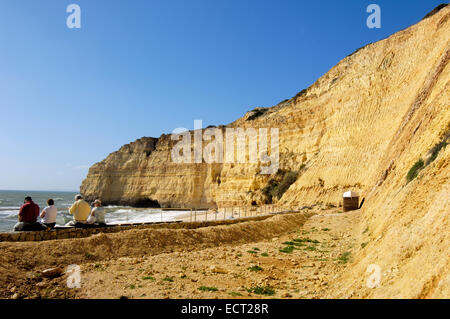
80, 211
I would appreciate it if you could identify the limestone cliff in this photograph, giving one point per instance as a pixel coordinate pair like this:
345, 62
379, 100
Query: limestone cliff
340, 133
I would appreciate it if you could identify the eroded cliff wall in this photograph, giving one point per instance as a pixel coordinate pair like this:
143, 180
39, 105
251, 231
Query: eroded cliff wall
337, 134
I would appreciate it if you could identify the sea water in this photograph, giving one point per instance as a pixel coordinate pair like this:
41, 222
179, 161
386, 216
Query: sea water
10, 202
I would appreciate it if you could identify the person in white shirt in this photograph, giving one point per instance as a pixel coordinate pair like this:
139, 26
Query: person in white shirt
97, 214
48, 215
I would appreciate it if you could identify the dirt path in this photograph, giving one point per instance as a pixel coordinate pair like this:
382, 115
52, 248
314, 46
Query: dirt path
319, 253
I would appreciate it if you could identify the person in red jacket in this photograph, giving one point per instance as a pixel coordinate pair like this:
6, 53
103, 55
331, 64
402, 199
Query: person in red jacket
28, 215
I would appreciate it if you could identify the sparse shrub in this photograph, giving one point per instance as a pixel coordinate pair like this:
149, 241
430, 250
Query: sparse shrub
235, 294
287, 250
265, 254
438, 147
363, 245
256, 113
287, 181
277, 186
306, 240
89, 255
169, 279
262, 290
148, 278
255, 268
204, 288
414, 171
345, 257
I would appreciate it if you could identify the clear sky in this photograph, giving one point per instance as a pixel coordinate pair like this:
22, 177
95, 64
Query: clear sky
69, 97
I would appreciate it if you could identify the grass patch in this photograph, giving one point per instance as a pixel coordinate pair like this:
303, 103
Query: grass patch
265, 254
252, 252
169, 279
256, 249
415, 169
255, 268
438, 147
345, 257
235, 294
287, 250
365, 230
311, 248
132, 286
326, 229
262, 290
306, 240
363, 245
89, 255
205, 288
148, 278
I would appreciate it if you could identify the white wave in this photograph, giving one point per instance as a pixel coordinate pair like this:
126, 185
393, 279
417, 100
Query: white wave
118, 217
9, 208
9, 214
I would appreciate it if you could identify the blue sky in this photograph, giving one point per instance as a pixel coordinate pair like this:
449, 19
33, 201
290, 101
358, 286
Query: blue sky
69, 97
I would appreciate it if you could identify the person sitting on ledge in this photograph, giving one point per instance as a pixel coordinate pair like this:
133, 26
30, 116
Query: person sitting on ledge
98, 214
80, 211
48, 215
28, 215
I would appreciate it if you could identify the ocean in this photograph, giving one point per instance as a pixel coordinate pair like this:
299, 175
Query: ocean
10, 202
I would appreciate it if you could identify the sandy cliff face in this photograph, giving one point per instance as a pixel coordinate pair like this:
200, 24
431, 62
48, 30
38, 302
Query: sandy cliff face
343, 132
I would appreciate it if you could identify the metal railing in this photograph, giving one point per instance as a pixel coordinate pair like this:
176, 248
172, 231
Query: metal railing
225, 213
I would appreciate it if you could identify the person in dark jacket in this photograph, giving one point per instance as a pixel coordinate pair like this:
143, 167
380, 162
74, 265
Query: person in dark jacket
28, 215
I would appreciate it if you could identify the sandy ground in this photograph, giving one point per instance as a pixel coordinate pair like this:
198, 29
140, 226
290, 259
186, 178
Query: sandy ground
253, 269
233, 270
